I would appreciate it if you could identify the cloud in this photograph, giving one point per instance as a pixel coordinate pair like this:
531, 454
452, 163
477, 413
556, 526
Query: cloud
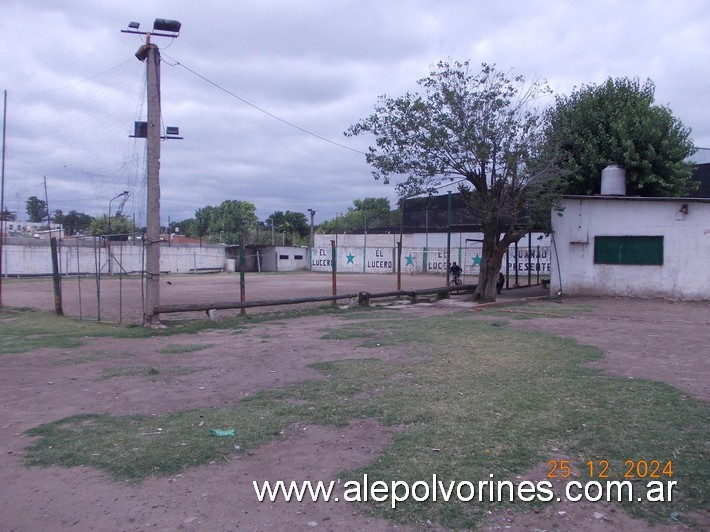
76, 89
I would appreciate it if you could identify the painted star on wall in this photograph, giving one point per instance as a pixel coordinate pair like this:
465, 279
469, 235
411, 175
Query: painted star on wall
410, 260
350, 258
476, 260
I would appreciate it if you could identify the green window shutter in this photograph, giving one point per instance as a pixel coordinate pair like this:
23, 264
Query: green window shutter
636, 250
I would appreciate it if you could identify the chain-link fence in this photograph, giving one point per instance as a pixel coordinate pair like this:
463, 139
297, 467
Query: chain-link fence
103, 278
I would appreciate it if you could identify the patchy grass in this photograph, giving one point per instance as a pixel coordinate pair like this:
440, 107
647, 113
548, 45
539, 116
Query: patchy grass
555, 308
23, 330
178, 349
476, 399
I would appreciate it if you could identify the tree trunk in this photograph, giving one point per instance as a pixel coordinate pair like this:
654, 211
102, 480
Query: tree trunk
492, 254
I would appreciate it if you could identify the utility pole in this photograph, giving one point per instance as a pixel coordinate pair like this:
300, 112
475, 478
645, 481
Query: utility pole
313, 214
152, 235
151, 55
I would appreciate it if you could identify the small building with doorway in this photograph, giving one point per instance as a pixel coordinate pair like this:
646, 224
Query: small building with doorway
258, 258
617, 245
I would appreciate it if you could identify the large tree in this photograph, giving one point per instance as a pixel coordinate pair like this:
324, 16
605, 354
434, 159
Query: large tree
481, 127
119, 226
366, 212
290, 222
618, 122
75, 222
36, 209
201, 224
232, 216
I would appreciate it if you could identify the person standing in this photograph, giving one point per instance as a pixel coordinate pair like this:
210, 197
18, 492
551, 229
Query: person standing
500, 282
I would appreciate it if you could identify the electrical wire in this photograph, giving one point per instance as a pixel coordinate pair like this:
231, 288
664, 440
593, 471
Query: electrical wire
216, 85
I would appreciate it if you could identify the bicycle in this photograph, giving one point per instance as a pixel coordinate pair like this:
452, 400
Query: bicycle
455, 280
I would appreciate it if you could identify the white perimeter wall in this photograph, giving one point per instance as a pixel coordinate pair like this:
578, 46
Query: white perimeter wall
37, 260
685, 273
422, 253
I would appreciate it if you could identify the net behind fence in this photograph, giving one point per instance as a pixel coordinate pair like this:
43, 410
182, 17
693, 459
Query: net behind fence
103, 278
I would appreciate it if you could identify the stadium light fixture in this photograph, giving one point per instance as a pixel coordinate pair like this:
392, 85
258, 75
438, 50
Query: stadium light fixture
162, 24
162, 27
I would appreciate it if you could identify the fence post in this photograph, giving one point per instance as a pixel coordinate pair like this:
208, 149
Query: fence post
529, 259
399, 265
97, 267
120, 282
78, 277
334, 268
507, 267
56, 278
537, 267
242, 280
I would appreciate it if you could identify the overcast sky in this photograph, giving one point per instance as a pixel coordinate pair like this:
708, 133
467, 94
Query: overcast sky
75, 87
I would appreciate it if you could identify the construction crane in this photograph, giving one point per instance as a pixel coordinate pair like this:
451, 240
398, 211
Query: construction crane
119, 210
124, 195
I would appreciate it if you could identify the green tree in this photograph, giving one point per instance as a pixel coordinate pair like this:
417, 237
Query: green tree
199, 225
120, 225
482, 128
617, 122
292, 223
204, 218
75, 222
378, 207
36, 209
367, 212
232, 216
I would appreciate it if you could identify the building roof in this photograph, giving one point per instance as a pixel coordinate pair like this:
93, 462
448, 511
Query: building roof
702, 175
639, 198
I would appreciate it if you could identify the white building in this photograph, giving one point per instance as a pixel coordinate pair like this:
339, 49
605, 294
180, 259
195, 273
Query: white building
632, 246
36, 229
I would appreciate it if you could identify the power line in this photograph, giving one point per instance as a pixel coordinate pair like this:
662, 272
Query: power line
216, 85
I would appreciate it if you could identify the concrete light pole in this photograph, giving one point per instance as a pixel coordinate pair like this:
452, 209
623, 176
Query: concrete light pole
313, 214
151, 55
152, 235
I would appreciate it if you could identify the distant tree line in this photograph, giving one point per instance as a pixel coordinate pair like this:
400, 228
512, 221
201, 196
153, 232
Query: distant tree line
224, 223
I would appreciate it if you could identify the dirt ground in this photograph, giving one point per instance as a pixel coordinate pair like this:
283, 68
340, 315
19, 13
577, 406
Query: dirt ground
658, 340
116, 299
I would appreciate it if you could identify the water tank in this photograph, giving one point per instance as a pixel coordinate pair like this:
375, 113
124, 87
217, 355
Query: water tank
613, 181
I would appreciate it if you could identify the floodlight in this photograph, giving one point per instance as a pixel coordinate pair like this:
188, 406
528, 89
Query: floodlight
134, 25
162, 24
172, 130
141, 130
